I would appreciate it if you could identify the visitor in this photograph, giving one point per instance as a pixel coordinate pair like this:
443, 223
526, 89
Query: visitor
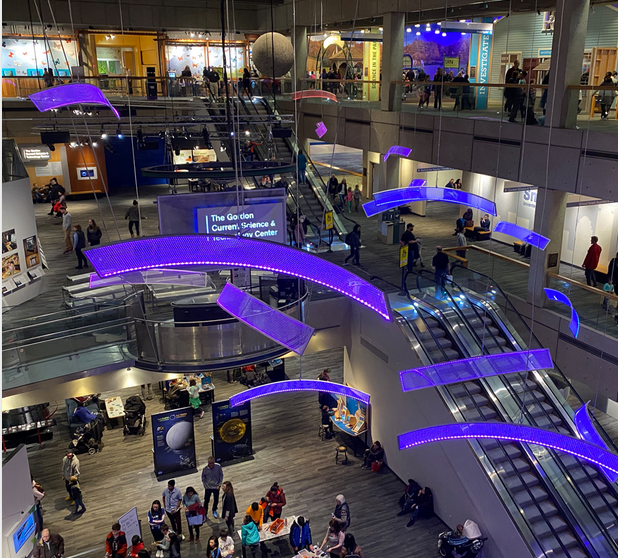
134, 215
327, 423
543, 102
226, 543
276, 500
191, 502
137, 546
440, 264
55, 191
302, 167
408, 238
350, 548
342, 512
408, 498
49, 545
156, 518
246, 82
349, 197
228, 505
67, 223
299, 232
357, 197
461, 241
375, 454
423, 506
485, 223
467, 217
256, 512
93, 233
607, 96
60, 203
212, 548
333, 187
513, 70
323, 396
611, 284
515, 96
116, 543
194, 398
343, 192
70, 468
457, 184
76, 495
172, 500
300, 535
79, 243
39, 494
437, 88
450, 183
170, 542
48, 77
353, 240
333, 540
591, 261
249, 536
212, 478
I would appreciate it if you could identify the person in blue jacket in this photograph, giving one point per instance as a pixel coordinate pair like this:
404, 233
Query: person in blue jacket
300, 534
249, 536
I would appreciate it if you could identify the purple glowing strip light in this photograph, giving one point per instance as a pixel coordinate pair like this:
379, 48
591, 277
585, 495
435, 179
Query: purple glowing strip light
475, 368
229, 251
523, 234
298, 385
513, 433
321, 129
389, 199
557, 296
258, 315
589, 433
398, 150
71, 94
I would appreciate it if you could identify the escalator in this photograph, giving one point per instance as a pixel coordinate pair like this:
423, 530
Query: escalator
564, 517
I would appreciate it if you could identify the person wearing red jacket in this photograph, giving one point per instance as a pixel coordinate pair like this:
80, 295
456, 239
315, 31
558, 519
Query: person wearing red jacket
276, 500
116, 543
592, 261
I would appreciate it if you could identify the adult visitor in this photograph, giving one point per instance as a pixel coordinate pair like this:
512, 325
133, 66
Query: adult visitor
611, 285
228, 505
408, 498
249, 536
350, 548
485, 223
509, 76
375, 454
457, 184
300, 535
333, 187
55, 191
38, 493
172, 500
591, 262
134, 215
302, 167
246, 82
67, 225
116, 543
408, 238
170, 542
441, 266
50, 545
323, 396
93, 233
327, 422
76, 495
212, 548
191, 502
156, 518
423, 507
342, 512
70, 468
79, 243
437, 88
353, 240
461, 241
276, 500
333, 540
450, 183
607, 96
212, 478
343, 189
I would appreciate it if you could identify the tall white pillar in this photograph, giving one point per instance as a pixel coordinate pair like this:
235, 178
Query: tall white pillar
392, 60
299, 70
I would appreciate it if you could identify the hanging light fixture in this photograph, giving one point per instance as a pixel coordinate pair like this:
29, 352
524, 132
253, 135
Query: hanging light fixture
103, 134
119, 133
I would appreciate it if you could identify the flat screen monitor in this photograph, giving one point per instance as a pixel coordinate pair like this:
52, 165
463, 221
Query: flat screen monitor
171, 74
24, 533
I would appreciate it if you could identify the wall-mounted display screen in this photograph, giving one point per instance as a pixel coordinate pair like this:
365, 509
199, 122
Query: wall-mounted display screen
24, 533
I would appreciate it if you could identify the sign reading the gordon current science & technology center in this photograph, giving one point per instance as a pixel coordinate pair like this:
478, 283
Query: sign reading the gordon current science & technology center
264, 221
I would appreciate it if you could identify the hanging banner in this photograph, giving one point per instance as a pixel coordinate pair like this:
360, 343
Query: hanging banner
484, 61
173, 441
371, 64
232, 431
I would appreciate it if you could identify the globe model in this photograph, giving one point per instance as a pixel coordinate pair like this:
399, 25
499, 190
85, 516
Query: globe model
262, 54
178, 435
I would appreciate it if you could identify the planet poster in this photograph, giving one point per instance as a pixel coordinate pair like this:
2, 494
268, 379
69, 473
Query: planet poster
232, 431
173, 442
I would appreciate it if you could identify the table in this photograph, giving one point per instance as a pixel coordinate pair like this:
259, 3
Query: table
304, 553
266, 535
114, 407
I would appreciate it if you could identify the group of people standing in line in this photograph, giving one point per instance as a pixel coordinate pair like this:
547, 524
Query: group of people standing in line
340, 191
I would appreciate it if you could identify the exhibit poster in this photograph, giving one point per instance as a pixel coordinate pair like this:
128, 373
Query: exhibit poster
9, 241
31, 249
173, 441
10, 265
232, 430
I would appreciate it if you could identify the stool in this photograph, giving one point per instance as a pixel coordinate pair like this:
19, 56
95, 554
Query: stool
344, 451
322, 431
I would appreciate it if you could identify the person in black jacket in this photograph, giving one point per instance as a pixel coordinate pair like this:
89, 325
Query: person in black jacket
49, 545
79, 243
93, 233
374, 454
423, 505
228, 505
56, 190
354, 240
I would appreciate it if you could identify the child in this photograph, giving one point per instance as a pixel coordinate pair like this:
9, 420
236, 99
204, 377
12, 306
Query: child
226, 543
357, 197
349, 197
250, 537
194, 397
76, 495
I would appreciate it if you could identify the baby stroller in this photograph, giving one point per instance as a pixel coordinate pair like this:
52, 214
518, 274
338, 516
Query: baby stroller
87, 438
466, 542
134, 416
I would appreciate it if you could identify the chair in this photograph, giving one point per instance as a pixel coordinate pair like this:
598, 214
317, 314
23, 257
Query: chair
344, 451
322, 432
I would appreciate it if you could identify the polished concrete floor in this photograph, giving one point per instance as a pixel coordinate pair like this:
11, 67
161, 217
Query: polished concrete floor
287, 450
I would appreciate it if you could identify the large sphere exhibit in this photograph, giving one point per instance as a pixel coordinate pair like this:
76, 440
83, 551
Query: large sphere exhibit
178, 435
262, 54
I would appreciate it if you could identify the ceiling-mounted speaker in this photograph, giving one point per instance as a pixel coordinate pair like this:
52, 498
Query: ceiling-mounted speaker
55, 137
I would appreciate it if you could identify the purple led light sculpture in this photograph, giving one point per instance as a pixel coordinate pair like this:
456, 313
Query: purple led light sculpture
473, 368
152, 277
229, 251
321, 129
70, 94
398, 150
557, 296
525, 235
389, 199
298, 385
589, 433
514, 433
276, 325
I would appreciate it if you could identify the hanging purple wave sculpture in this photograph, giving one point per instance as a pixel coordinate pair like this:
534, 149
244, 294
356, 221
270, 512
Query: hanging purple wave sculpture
398, 150
70, 94
473, 368
523, 234
231, 251
298, 385
276, 325
557, 296
514, 433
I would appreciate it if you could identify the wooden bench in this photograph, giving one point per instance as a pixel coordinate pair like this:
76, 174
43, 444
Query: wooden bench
517, 246
483, 235
469, 232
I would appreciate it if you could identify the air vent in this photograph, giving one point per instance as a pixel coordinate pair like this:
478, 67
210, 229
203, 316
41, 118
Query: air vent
588, 348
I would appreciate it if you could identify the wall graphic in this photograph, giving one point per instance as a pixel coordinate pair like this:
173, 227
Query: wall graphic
20, 57
174, 441
10, 265
180, 56
429, 49
9, 241
31, 251
232, 430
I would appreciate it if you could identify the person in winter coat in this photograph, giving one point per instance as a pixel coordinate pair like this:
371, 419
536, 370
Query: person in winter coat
276, 500
249, 536
354, 239
408, 498
137, 546
93, 233
79, 243
342, 513
49, 545
70, 468
116, 543
606, 96
76, 494
591, 261
228, 505
423, 505
300, 535
374, 454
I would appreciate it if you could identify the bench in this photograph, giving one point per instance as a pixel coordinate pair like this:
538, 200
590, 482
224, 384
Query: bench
517, 246
483, 235
469, 232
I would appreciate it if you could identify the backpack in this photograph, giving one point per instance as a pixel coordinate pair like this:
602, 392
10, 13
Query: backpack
348, 239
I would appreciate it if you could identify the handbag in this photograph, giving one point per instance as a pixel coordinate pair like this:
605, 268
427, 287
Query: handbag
195, 520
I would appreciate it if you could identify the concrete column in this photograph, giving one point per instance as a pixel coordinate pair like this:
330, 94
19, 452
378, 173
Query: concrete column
548, 221
299, 70
570, 29
365, 186
392, 60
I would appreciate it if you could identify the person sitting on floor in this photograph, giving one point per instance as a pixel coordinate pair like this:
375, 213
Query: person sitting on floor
375, 454
408, 498
423, 506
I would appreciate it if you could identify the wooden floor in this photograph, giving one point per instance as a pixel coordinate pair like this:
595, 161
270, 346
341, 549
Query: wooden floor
287, 450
